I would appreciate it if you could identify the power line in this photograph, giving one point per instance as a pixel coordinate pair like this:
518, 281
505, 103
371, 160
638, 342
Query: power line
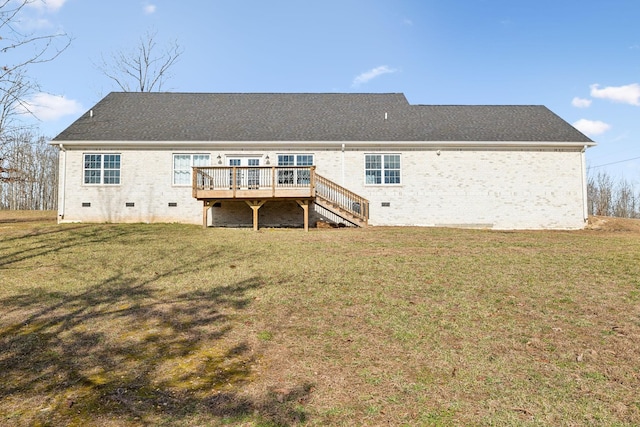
615, 163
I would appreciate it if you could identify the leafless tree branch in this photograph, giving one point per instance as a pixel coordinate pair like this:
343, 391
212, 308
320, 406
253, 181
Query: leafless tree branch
144, 68
19, 51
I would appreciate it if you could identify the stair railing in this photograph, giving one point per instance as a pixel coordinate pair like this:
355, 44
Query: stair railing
344, 199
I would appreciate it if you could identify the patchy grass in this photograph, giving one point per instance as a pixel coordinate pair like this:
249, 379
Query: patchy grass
179, 325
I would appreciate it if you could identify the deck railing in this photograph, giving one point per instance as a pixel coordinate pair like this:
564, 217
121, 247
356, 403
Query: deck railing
242, 179
346, 200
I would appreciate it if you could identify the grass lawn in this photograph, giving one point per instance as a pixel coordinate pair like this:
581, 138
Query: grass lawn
165, 324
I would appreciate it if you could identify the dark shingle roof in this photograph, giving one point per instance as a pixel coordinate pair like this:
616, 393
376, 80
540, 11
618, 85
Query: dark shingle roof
309, 117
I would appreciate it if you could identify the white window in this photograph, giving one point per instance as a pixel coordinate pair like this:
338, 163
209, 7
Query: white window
295, 159
382, 168
102, 169
182, 164
300, 177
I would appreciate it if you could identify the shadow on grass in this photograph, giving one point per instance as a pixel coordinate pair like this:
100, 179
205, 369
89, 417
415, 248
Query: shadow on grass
127, 351
64, 237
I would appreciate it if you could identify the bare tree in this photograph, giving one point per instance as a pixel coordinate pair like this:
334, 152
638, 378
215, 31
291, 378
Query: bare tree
592, 194
20, 50
625, 202
607, 197
34, 179
601, 194
144, 68
12, 93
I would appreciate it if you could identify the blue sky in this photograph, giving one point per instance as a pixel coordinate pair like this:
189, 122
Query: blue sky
580, 58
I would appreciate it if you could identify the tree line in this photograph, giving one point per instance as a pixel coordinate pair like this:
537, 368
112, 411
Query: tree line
31, 173
610, 197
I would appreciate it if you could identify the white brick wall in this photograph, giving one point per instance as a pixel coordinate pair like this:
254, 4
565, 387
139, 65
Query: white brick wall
146, 181
503, 189
470, 188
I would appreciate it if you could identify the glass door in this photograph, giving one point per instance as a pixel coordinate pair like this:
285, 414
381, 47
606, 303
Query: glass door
253, 174
246, 177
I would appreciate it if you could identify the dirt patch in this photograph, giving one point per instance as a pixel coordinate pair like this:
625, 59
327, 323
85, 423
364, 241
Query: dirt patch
607, 223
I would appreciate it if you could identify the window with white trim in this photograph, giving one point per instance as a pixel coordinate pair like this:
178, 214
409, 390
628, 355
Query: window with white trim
182, 164
101, 169
295, 159
300, 177
382, 169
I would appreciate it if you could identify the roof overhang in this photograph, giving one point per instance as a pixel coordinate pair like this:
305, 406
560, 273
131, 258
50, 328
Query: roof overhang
321, 145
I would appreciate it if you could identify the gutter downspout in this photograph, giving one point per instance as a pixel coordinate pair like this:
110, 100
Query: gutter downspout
342, 183
63, 182
585, 191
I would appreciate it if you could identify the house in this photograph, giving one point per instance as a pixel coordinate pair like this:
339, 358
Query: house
293, 159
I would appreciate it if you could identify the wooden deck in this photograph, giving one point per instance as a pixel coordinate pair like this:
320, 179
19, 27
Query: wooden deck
256, 185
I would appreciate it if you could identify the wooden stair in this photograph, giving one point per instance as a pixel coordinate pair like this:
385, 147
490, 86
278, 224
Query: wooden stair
258, 184
341, 202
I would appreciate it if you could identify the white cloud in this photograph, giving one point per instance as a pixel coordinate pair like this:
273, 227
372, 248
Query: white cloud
581, 102
149, 9
47, 107
591, 127
47, 5
367, 76
628, 94
38, 17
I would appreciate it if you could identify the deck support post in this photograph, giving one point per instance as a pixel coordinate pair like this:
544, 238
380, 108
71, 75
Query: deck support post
304, 204
255, 205
205, 208
206, 205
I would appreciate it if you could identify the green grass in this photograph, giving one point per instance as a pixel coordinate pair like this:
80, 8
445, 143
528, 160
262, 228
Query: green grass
178, 325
